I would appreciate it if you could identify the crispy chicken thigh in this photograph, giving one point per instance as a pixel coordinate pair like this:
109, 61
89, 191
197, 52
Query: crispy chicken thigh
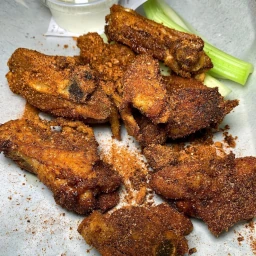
133, 231
182, 52
58, 85
63, 154
217, 188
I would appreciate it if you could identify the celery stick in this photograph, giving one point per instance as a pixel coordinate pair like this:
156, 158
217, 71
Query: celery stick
210, 81
225, 65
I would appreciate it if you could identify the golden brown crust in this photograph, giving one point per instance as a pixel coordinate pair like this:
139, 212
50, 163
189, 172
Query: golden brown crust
219, 189
182, 52
109, 61
143, 89
137, 231
175, 106
235, 203
196, 172
63, 154
58, 85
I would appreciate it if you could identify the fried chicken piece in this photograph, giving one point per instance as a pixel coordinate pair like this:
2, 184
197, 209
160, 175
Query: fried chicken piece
63, 154
195, 172
110, 61
235, 202
217, 188
58, 85
182, 52
194, 108
150, 133
132, 230
184, 105
144, 91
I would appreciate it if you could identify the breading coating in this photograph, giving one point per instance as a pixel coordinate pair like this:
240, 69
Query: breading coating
58, 85
144, 91
63, 154
219, 189
195, 172
175, 106
136, 231
182, 52
109, 61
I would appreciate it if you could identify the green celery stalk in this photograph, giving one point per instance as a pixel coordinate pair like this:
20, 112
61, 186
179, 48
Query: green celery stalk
225, 65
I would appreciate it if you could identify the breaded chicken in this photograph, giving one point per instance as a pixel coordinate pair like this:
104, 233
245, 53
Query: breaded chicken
235, 203
137, 231
183, 105
193, 109
217, 188
182, 52
195, 172
63, 154
58, 85
144, 90
110, 61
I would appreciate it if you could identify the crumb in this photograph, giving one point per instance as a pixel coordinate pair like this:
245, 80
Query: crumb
253, 246
192, 251
240, 239
65, 46
218, 144
133, 170
229, 140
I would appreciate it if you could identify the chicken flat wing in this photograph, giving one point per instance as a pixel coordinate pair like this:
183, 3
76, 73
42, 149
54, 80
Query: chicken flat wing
235, 203
182, 52
109, 60
58, 85
217, 188
195, 172
132, 230
63, 154
144, 91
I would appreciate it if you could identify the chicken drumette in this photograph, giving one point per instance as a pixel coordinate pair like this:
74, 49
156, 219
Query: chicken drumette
182, 52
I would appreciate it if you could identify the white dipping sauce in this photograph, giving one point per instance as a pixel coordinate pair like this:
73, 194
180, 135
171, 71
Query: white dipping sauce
80, 16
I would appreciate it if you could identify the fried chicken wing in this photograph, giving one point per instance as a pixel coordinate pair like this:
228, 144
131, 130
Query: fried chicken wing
110, 61
196, 172
144, 91
184, 105
196, 108
132, 230
58, 85
63, 154
235, 203
217, 188
182, 52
